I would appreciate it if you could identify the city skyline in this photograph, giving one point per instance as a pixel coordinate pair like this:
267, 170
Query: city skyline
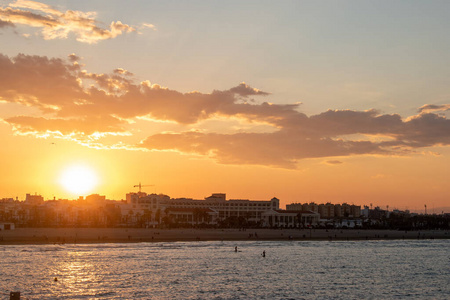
304, 101
141, 193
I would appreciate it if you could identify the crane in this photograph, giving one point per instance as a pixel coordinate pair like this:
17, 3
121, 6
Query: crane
141, 185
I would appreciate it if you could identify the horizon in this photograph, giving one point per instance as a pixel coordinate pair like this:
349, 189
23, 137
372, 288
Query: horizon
339, 102
428, 211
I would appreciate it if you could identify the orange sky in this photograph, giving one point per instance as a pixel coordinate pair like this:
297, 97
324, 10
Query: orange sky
313, 121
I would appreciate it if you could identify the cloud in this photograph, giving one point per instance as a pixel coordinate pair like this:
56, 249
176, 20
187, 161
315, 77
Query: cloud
148, 25
67, 127
73, 57
35, 6
4, 24
432, 108
334, 162
425, 130
279, 149
244, 90
122, 72
38, 81
78, 104
55, 24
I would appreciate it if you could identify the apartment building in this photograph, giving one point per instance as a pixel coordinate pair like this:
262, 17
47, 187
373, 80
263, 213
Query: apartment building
328, 210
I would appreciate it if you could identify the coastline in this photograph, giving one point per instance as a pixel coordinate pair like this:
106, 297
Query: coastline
24, 236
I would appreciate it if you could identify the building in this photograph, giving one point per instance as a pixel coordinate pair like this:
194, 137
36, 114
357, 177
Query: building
306, 207
34, 199
192, 216
294, 206
96, 200
355, 211
7, 226
251, 210
220, 208
290, 218
328, 210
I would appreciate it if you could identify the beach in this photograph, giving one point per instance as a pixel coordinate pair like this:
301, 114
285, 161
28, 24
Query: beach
135, 235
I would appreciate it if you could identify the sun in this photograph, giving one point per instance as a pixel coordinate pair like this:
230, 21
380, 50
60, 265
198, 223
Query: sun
78, 179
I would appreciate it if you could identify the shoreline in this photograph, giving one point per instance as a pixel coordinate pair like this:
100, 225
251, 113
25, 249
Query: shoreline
39, 236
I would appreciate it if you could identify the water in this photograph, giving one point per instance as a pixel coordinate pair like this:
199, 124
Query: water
212, 270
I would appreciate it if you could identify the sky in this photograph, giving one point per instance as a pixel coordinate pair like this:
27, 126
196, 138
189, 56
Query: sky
306, 101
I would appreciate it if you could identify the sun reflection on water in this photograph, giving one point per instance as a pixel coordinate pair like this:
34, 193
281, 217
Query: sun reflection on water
205, 270
78, 274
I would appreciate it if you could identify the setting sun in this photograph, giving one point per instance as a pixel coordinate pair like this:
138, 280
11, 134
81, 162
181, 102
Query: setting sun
78, 179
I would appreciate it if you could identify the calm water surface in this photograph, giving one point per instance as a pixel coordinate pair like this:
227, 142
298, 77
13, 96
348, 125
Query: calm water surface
212, 270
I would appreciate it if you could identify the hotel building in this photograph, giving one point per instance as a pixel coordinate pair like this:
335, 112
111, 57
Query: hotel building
216, 205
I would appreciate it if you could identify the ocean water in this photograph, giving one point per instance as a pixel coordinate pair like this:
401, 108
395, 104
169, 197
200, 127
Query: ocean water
213, 270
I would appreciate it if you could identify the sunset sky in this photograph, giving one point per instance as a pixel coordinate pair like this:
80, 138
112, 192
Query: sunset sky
324, 101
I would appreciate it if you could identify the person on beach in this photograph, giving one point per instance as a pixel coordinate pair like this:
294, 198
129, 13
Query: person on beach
264, 253
235, 249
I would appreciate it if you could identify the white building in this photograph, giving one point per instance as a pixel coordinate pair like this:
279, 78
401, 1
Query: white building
249, 209
158, 205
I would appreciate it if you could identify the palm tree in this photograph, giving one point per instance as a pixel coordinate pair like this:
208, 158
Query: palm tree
129, 217
197, 214
158, 216
147, 217
138, 219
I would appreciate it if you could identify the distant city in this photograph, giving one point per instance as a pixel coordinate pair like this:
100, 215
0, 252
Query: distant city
142, 210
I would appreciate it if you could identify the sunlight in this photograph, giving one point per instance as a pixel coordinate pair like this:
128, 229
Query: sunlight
78, 179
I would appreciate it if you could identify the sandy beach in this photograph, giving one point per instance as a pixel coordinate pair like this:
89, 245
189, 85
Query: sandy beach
136, 235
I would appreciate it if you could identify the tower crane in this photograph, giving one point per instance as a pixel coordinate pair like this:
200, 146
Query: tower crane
141, 185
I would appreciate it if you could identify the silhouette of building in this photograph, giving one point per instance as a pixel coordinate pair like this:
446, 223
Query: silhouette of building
290, 218
328, 210
34, 199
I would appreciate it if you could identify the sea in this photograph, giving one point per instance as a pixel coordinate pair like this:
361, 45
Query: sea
383, 269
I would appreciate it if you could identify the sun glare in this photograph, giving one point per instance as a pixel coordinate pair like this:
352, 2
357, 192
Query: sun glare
78, 179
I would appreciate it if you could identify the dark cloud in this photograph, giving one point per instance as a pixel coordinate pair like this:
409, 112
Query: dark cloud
425, 130
343, 122
280, 149
38, 81
233, 148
